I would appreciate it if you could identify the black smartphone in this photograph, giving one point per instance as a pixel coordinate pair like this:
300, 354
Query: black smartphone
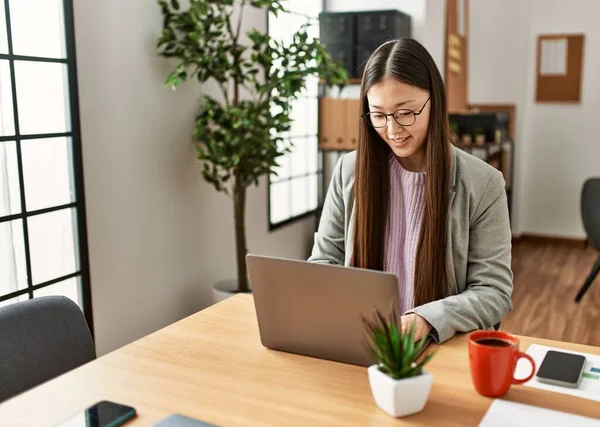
102, 414
564, 369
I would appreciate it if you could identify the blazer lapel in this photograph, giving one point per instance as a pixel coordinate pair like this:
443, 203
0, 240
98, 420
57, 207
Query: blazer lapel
453, 284
349, 238
452, 180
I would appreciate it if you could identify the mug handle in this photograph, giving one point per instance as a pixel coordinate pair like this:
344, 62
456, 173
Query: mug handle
524, 380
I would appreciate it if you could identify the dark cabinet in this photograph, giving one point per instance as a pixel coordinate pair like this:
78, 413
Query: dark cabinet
380, 26
363, 52
345, 53
351, 37
337, 27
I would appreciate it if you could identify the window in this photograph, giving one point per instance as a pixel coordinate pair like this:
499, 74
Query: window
294, 191
43, 244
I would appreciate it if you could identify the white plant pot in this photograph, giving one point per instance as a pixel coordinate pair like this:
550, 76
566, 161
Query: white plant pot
399, 398
224, 289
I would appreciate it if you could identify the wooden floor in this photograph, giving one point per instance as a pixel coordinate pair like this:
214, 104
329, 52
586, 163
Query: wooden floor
547, 277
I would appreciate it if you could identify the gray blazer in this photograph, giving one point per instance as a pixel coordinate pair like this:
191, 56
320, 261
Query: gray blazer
478, 243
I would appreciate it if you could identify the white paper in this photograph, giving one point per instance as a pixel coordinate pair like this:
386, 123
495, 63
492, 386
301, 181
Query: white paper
560, 57
588, 388
504, 413
554, 57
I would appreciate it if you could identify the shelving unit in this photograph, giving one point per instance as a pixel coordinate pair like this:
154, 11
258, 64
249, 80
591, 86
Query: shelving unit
501, 156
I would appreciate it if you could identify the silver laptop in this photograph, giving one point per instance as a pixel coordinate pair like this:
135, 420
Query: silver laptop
315, 309
177, 420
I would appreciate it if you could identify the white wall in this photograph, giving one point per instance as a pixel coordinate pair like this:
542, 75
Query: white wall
428, 19
158, 235
498, 52
498, 69
557, 145
563, 148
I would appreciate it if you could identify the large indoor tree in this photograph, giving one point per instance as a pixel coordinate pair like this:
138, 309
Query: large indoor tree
239, 136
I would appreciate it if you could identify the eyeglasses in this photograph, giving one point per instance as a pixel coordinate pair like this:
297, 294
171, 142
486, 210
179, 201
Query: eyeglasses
403, 117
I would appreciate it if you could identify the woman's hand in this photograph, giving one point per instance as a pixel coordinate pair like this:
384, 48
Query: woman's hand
422, 326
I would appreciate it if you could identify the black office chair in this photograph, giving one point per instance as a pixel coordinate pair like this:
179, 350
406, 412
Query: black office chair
590, 215
41, 339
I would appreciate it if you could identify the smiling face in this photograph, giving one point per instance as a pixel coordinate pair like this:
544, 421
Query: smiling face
406, 142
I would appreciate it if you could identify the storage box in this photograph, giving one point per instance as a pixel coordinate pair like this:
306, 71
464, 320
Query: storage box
382, 25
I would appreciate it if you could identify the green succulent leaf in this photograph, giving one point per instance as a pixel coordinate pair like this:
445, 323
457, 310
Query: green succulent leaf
395, 353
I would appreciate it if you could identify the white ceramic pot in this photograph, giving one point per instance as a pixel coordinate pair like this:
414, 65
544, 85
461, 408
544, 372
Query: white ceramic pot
399, 398
224, 289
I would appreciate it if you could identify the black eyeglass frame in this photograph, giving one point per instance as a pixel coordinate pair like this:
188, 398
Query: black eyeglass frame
414, 113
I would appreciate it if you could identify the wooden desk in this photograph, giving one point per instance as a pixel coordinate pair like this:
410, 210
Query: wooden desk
211, 366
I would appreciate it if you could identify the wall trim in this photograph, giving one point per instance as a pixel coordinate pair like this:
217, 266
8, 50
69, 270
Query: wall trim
550, 239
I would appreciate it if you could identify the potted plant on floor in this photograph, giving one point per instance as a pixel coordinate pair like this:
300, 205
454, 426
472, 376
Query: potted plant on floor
398, 382
238, 135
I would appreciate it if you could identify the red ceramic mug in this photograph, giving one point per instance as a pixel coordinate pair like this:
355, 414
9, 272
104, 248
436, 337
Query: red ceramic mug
493, 356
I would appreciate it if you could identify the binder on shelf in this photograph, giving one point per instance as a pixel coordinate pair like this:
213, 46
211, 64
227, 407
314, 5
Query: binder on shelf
330, 123
352, 117
338, 124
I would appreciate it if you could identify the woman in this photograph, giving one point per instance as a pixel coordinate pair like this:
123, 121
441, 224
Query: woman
410, 203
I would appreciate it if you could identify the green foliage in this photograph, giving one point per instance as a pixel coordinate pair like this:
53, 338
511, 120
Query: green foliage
478, 131
239, 135
454, 127
394, 353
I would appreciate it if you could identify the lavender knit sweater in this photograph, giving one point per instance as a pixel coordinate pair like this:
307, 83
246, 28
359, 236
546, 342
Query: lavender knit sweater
406, 198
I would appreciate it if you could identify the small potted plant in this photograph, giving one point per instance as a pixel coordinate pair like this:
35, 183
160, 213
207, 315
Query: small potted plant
454, 131
479, 136
398, 382
466, 138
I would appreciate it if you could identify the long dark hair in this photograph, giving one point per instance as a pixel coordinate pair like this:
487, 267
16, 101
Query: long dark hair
409, 62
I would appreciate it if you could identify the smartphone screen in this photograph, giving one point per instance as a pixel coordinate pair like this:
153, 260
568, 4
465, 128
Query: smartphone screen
102, 414
561, 367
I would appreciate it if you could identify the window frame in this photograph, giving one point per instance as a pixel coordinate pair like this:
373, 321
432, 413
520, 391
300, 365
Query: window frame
78, 205
318, 173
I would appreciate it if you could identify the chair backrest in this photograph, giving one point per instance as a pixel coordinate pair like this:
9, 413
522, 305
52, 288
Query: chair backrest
590, 210
40, 339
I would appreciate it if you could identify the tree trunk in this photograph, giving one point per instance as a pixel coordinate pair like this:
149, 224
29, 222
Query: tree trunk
239, 206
